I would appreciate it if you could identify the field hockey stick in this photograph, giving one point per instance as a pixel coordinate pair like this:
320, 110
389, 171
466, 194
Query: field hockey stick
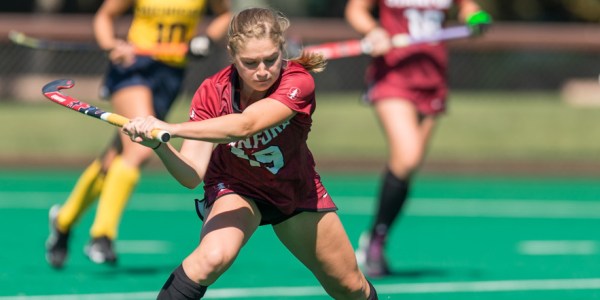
349, 48
21, 39
52, 91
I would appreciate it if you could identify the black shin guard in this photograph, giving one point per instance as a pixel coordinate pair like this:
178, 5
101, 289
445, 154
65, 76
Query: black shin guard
181, 287
372, 292
394, 192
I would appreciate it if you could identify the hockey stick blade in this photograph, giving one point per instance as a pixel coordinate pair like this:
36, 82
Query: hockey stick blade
52, 91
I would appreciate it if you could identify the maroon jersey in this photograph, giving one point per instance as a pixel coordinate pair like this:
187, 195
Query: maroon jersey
273, 166
418, 18
417, 72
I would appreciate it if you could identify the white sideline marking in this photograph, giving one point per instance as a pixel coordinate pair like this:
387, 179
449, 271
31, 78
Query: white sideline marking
489, 208
395, 289
143, 247
584, 247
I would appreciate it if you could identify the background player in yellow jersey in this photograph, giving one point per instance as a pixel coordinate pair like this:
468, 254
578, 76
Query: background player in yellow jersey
137, 86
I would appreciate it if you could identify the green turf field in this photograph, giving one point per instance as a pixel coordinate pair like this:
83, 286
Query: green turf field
479, 237
463, 237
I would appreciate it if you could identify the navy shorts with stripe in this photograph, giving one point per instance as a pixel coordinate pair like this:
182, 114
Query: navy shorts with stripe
165, 81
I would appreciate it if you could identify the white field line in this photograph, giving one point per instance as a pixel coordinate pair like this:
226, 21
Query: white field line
143, 246
490, 208
382, 289
558, 247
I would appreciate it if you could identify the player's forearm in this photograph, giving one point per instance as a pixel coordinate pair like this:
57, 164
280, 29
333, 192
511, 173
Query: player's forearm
225, 129
104, 31
183, 170
217, 28
358, 15
104, 28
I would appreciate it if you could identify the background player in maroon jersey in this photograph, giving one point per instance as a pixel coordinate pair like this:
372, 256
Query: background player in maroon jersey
407, 88
246, 140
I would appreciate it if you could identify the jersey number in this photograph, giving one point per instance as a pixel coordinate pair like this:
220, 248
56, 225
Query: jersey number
174, 33
424, 23
271, 158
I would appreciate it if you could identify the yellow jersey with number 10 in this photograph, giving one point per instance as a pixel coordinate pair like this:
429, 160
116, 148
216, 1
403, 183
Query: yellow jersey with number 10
166, 25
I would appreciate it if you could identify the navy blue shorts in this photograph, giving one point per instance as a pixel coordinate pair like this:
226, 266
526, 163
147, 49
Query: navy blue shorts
165, 81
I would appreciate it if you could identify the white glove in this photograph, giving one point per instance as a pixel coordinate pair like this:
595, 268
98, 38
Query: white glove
200, 46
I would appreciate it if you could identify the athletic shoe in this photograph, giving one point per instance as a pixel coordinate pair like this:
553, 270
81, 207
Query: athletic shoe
370, 256
100, 250
57, 242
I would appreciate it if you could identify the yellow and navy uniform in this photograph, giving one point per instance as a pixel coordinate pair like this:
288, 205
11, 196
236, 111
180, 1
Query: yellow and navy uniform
160, 23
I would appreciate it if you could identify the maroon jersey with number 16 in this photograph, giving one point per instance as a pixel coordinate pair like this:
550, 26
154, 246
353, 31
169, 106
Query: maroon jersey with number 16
274, 166
417, 73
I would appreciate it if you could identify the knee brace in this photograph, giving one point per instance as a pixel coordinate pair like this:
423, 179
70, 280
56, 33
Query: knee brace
181, 287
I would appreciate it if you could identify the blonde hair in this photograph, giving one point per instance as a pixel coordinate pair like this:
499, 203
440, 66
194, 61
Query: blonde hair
261, 23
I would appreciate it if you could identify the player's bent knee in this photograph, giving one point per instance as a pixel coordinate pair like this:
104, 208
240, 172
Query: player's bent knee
215, 261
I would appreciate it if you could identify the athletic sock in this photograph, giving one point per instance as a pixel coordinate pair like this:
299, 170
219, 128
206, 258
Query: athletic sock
181, 287
372, 292
394, 192
85, 191
119, 183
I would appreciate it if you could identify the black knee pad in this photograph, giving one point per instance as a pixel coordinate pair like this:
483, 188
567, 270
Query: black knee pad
181, 287
372, 292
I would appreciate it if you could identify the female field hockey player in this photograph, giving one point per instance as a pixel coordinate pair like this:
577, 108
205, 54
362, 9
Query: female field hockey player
407, 88
247, 141
137, 86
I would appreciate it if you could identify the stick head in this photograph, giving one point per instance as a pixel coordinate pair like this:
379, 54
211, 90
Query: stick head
57, 85
52, 92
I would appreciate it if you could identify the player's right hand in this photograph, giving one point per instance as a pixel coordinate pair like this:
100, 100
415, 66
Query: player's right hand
123, 54
379, 41
140, 130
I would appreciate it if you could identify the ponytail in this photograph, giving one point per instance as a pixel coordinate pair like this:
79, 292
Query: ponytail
311, 61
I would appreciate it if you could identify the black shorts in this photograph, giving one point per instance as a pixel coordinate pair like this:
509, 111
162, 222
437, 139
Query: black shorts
270, 214
165, 81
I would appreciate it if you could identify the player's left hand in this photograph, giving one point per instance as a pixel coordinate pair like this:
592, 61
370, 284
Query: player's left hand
140, 130
479, 22
200, 46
